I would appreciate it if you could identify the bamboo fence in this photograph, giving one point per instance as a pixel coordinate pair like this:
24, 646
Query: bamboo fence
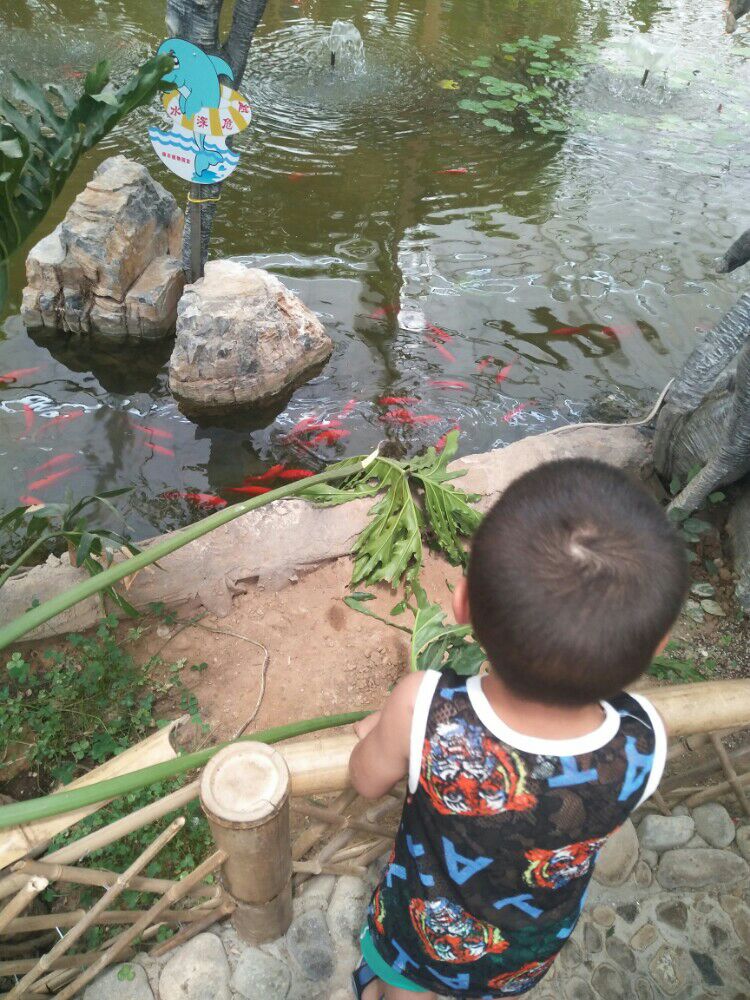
337, 833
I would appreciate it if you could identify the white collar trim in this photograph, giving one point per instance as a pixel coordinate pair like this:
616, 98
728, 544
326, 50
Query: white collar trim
535, 744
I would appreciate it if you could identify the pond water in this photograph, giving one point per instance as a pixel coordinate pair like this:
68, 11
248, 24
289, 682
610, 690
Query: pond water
394, 211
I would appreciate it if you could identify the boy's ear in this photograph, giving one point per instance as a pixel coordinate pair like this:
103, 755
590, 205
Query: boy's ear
461, 610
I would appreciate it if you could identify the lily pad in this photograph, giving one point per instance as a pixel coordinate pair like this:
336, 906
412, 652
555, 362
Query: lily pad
483, 62
703, 590
497, 125
476, 106
713, 608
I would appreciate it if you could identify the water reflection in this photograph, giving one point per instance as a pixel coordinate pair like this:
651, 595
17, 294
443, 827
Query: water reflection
342, 191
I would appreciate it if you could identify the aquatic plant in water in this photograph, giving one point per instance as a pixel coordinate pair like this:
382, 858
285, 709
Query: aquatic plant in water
535, 93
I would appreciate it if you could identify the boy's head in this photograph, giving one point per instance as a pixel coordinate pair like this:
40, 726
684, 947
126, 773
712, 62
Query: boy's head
575, 577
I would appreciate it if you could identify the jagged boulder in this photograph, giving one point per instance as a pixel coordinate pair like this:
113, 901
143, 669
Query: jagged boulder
243, 339
111, 267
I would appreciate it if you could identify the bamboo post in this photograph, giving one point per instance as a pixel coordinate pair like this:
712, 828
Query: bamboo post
730, 773
245, 796
122, 941
21, 900
75, 933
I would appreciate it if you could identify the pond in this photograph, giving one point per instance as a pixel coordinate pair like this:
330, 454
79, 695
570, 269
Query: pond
504, 275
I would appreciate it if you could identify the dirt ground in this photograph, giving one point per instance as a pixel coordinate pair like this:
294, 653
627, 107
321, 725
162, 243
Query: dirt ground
323, 657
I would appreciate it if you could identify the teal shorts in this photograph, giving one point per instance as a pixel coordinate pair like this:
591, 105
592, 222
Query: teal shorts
381, 968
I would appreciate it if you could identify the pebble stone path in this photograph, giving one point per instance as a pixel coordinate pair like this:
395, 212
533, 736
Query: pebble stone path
667, 915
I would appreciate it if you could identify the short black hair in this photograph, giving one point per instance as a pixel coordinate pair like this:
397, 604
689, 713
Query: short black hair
575, 575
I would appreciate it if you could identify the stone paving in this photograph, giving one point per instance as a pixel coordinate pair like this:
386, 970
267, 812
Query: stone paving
667, 915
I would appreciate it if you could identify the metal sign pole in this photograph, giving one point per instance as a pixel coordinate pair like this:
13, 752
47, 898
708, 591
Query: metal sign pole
195, 232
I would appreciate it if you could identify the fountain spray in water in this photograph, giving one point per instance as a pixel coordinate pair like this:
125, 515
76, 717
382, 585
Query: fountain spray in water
347, 49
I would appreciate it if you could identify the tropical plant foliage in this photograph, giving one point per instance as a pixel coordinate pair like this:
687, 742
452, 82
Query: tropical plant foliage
45, 133
26, 533
418, 498
526, 85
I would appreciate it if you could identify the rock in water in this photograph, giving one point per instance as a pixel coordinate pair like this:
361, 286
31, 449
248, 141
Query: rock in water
243, 339
111, 267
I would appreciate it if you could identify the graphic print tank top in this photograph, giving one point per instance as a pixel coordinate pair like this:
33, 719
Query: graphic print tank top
499, 835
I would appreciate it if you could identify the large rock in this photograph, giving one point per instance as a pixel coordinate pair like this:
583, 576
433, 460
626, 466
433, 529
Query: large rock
714, 824
80, 275
259, 974
662, 833
199, 970
242, 339
618, 857
121, 982
691, 869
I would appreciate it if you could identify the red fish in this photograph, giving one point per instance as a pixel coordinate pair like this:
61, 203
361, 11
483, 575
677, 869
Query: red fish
39, 484
297, 175
448, 383
152, 431
624, 330
57, 460
564, 331
301, 426
516, 410
397, 400
503, 374
330, 437
483, 362
348, 408
381, 312
203, 499
455, 170
63, 418
443, 441
29, 416
427, 418
272, 473
159, 449
10, 377
401, 416
443, 350
31, 502
253, 491
441, 334
293, 474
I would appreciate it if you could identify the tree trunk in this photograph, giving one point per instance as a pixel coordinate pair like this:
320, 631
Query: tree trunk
197, 21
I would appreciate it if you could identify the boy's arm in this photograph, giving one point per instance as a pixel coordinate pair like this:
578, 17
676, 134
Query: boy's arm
381, 757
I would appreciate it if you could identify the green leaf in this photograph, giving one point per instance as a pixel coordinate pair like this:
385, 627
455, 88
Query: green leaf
695, 526
717, 497
497, 125
436, 645
675, 486
703, 590
713, 608
354, 602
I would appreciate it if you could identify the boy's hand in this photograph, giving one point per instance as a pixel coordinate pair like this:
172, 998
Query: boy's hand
381, 758
366, 725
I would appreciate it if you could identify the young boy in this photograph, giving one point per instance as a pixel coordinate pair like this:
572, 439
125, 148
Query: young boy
516, 778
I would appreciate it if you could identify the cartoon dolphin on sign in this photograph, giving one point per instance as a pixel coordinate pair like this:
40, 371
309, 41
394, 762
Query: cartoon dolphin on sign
196, 76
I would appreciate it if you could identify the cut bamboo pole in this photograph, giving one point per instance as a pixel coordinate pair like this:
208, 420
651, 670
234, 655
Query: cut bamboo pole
327, 868
28, 945
20, 965
122, 941
116, 889
729, 771
222, 911
52, 921
21, 900
331, 818
309, 837
245, 796
715, 791
103, 878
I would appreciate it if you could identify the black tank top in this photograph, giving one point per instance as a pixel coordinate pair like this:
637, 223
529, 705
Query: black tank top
499, 835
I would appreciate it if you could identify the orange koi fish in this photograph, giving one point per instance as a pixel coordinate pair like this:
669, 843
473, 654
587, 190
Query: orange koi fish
565, 331
441, 334
625, 330
298, 175
152, 431
401, 416
443, 350
381, 312
272, 473
515, 411
427, 418
57, 460
455, 170
293, 474
39, 484
503, 374
29, 416
448, 383
330, 437
159, 449
202, 499
397, 400
483, 362
63, 418
9, 377
253, 491
348, 408
31, 502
